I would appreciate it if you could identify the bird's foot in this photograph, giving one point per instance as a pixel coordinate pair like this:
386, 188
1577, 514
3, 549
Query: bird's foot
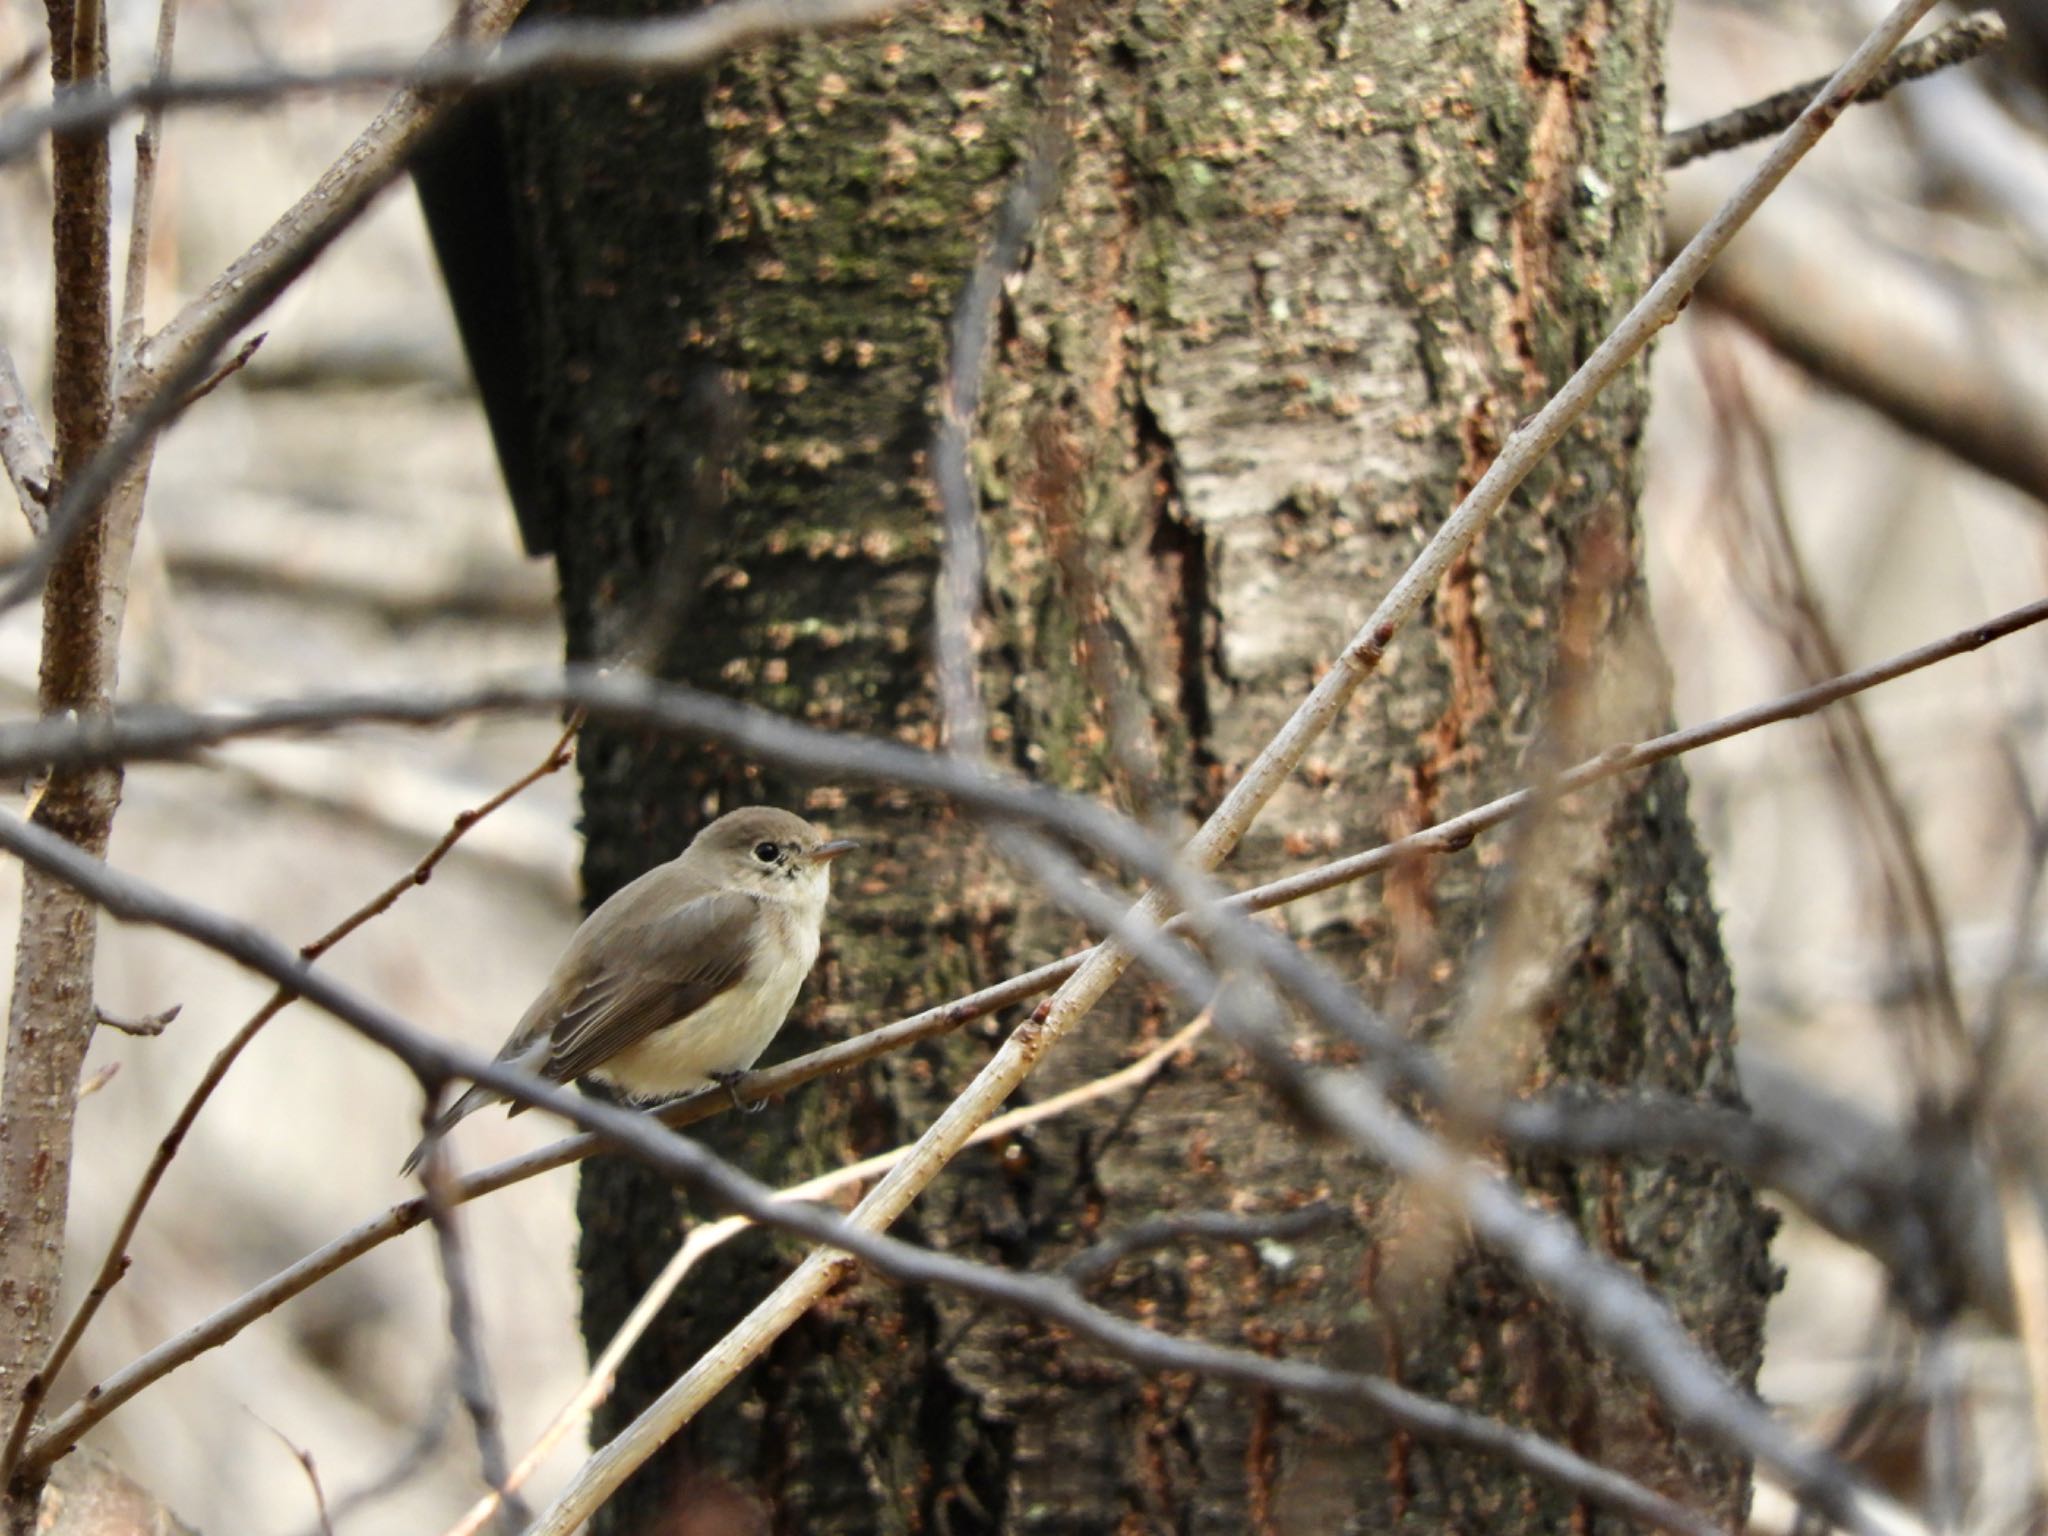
730, 1082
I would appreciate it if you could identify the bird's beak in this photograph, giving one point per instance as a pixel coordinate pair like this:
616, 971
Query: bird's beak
825, 853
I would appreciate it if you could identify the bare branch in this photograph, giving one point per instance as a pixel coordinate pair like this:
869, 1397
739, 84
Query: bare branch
225, 371
1045, 1296
704, 1237
147, 1026
469, 57
128, 339
155, 734
472, 1371
174, 735
304, 1458
24, 447
115, 1262
1957, 43
50, 1011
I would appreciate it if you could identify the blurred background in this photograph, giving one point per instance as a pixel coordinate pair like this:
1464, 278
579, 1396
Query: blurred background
332, 516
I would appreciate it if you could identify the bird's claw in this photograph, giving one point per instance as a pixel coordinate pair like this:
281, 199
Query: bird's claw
730, 1082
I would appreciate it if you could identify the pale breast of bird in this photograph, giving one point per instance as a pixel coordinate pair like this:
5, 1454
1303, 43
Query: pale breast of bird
728, 1033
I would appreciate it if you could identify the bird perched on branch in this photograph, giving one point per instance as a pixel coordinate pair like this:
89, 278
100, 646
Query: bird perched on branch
681, 979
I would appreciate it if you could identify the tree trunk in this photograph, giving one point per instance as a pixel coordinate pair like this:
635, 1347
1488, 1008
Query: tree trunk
1306, 270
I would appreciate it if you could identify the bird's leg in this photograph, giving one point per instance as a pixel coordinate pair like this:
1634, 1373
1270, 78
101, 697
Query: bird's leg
730, 1082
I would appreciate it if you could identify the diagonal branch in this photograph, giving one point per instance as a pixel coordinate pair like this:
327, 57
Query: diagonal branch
24, 446
704, 1237
1049, 1297
1960, 41
168, 369
815, 749
1274, 765
115, 1263
469, 56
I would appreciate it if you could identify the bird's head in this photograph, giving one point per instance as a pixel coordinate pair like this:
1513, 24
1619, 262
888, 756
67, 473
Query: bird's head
769, 853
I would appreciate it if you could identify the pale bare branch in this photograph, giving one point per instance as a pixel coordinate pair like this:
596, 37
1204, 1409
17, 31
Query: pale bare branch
24, 446
472, 1370
1048, 1297
173, 735
704, 1237
146, 1025
115, 1262
134, 287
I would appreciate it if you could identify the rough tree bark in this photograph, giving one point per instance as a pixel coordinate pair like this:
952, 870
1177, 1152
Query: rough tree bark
50, 1012
1308, 266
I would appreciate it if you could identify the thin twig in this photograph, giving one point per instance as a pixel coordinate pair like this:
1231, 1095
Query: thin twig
1451, 836
1045, 1296
115, 1262
128, 339
176, 361
472, 1369
408, 1464
18, 73
704, 1237
147, 1026
226, 370
1957, 43
24, 446
304, 1458
468, 57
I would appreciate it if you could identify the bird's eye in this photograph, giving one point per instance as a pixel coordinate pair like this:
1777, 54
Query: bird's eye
767, 853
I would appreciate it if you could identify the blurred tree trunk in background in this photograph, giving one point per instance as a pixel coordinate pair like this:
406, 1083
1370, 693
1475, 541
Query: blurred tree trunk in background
1308, 267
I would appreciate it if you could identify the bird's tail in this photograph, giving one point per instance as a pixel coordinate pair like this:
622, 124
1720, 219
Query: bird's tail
475, 1099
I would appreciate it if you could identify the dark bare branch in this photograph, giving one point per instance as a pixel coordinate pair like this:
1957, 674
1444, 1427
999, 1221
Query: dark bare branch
114, 1264
1045, 1296
1960, 41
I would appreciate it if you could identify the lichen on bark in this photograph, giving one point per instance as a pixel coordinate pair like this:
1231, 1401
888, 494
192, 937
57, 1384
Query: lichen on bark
1307, 268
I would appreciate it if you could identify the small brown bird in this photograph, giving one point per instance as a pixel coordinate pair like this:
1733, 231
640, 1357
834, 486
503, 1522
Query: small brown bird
681, 979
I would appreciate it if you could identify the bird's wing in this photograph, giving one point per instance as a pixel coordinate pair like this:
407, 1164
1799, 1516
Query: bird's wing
651, 975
